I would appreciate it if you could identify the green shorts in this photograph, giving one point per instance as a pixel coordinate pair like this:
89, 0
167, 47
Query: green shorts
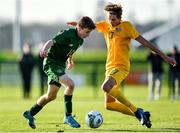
53, 71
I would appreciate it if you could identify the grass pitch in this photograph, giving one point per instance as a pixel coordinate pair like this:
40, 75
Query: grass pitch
165, 113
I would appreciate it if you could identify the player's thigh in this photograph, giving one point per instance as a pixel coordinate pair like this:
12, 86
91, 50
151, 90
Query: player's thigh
117, 74
66, 81
53, 71
52, 90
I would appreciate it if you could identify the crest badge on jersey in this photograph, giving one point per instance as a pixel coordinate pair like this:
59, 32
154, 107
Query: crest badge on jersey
118, 29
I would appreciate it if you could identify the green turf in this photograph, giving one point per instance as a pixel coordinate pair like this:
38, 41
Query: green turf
165, 113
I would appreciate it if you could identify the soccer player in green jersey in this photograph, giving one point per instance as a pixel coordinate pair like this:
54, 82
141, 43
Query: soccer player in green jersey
57, 52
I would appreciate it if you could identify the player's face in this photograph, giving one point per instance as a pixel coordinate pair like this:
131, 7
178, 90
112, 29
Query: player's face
84, 32
113, 20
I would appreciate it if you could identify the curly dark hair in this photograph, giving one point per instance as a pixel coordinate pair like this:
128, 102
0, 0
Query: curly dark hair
86, 22
114, 9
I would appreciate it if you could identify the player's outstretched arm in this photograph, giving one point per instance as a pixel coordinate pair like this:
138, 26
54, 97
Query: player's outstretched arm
73, 23
149, 45
44, 49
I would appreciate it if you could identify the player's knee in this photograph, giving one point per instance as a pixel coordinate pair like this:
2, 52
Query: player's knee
71, 86
106, 87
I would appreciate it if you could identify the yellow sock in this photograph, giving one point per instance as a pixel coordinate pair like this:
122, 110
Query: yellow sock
117, 106
117, 94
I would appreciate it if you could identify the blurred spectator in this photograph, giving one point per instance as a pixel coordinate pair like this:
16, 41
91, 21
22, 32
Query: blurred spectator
174, 75
42, 75
155, 76
26, 65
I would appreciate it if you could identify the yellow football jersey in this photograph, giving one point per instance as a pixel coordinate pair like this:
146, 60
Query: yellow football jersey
118, 43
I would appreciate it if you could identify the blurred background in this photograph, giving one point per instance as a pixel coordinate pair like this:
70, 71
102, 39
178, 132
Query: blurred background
36, 21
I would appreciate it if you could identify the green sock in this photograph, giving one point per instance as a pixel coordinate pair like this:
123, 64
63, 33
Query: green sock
68, 104
35, 109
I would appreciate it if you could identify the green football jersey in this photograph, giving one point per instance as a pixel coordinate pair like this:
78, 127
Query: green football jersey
66, 42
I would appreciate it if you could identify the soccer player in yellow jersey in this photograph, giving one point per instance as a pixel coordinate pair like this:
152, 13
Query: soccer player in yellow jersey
118, 35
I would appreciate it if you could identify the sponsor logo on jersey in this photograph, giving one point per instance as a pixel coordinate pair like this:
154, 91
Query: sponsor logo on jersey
114, 71
70, 45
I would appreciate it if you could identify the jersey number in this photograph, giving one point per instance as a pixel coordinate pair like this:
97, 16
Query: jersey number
111, 34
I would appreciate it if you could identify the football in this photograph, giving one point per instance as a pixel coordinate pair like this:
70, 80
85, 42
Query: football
94, 119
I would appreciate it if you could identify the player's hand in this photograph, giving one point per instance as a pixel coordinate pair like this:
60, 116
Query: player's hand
171, 61
43, 53
71, 23
70, 65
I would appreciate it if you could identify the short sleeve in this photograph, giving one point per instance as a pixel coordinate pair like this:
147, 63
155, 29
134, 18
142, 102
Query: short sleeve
131, 30
60, 38
101, 26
